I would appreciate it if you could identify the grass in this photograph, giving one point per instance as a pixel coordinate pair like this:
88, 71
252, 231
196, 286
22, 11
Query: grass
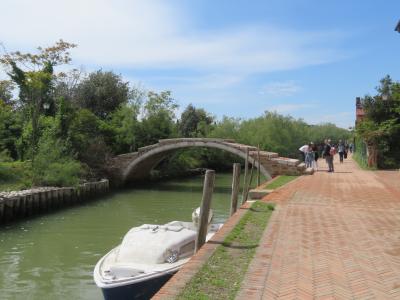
15, 176
361, 161
221, 276
280, 181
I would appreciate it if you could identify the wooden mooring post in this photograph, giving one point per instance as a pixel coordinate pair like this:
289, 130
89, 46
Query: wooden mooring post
208, 188
235, 187
247, 184
258, 166
246, 170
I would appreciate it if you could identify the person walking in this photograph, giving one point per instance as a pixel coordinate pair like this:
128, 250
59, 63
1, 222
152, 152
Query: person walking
328, 154
341, 150
309, 159
316, 156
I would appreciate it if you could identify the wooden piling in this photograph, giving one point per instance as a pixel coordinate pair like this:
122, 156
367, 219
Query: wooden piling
36, 202
1, 209
246, 169
259, 166
235, 187
48, 199
17, 201
8, 209
208, 188
28, 205
247, 184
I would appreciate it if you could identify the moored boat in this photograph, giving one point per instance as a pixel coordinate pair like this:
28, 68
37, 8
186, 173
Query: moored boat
147, 257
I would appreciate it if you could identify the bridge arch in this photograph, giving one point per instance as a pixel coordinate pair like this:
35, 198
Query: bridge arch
141, 163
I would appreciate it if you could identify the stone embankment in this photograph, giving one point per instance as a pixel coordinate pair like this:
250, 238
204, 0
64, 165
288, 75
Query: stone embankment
20, 204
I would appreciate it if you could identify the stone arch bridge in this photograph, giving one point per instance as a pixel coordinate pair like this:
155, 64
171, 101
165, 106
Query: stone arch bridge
137, 165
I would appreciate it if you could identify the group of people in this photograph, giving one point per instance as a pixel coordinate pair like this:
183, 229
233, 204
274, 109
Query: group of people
311, 153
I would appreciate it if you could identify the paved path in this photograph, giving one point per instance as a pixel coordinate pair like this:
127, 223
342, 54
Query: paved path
333, 236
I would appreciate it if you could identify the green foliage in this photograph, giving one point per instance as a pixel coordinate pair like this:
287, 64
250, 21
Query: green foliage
194, 122
227, 128
381, 126
87, 136
158, 122
102, 93
53, 166
277, 133
6, 89
14, 175
10, 129
125, 126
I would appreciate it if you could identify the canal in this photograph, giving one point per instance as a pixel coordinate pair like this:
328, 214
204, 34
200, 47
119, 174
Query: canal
53, 256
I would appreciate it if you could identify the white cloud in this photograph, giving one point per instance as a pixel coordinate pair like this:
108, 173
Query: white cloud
281, 89
156, 34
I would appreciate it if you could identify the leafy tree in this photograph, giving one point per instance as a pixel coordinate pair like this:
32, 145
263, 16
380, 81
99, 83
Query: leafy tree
102, 93
158, 118
6, 89
34, 74
86, 134
125, 124
10, 129
381, 127
194, 122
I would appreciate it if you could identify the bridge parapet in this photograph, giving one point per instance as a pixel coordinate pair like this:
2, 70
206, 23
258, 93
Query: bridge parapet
138, 164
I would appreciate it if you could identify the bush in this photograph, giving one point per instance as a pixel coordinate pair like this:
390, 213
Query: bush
53, 166
15, 175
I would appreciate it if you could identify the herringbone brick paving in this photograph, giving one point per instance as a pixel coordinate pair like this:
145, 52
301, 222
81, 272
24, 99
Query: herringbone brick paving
333, 236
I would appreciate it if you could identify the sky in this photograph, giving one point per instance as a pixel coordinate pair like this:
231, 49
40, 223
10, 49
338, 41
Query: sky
305, 58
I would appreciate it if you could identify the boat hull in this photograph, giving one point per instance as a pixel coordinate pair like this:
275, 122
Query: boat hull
138, 291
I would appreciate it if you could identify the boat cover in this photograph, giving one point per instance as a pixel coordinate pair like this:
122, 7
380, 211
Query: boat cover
151, 244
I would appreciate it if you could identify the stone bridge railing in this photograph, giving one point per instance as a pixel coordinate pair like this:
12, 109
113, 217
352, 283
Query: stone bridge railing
137, 165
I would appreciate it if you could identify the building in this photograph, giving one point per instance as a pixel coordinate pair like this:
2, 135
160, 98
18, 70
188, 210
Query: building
360, 113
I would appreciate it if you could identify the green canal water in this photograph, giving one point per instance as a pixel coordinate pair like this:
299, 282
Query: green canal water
53, 256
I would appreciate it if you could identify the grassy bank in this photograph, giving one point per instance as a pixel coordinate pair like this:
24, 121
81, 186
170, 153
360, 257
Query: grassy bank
280, 181
221, 276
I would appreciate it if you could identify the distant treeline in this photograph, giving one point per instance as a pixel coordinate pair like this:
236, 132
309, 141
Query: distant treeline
63, 127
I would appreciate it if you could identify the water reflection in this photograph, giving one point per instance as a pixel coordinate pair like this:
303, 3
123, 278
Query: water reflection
53, 256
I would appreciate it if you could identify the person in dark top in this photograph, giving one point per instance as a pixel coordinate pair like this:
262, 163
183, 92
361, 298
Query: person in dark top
329, 156
316, 156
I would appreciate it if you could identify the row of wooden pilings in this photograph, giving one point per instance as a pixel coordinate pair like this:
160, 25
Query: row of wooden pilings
19, 205
208, 188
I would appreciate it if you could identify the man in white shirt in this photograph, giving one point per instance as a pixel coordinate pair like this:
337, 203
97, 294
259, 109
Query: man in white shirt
303, 150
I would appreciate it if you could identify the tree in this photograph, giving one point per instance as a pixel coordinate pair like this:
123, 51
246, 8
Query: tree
6, 89
381, 127
194, 122
158, 118
34, 75
10, 129
102, 93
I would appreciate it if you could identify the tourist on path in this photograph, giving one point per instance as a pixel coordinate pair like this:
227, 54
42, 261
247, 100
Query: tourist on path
341, 150
316, 156
303, 150
329, 155
309, 156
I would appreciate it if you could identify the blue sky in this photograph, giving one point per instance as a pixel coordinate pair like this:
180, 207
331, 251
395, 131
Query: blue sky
308, 59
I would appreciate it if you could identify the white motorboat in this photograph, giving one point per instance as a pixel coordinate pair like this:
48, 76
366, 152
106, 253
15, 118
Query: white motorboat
147, 257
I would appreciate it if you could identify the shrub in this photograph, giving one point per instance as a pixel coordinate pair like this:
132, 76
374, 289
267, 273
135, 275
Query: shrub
53, 165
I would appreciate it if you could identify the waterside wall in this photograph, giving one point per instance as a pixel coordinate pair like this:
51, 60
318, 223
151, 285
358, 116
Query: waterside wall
22, 204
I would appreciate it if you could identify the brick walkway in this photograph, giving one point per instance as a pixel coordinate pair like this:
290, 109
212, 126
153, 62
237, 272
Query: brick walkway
333, 236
